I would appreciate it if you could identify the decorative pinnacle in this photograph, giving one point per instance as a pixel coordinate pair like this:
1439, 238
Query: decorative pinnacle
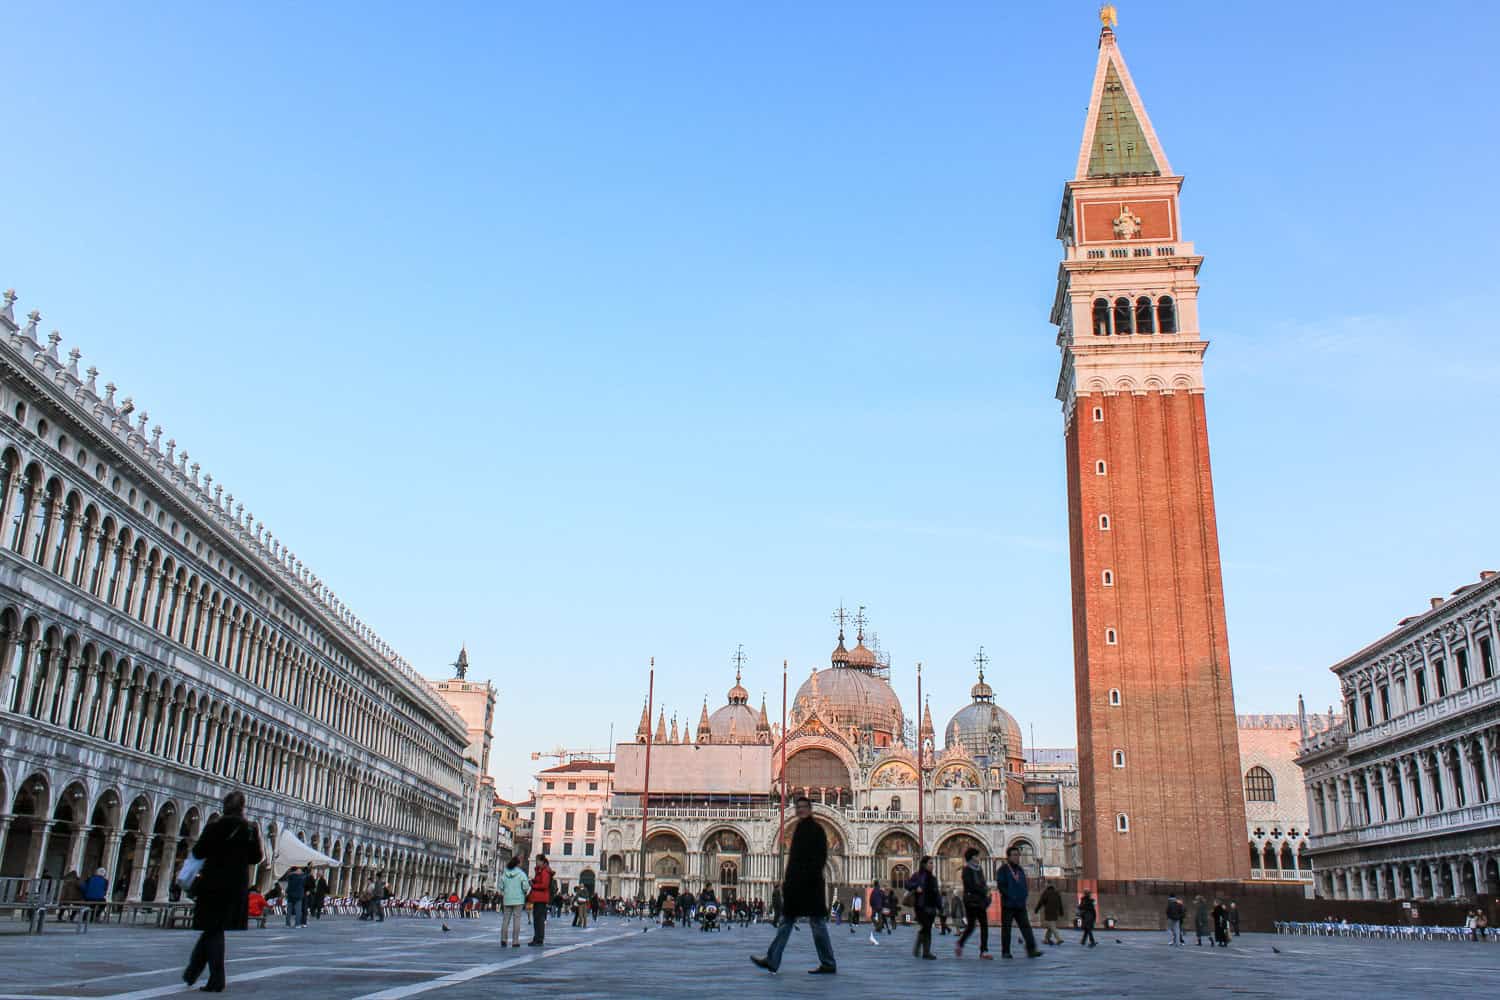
841, 616
1108, 16
10, 296
739, 661
981, 661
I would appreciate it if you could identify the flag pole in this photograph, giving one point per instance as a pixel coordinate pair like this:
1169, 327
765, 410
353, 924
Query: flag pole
781, 820
646, 790
921, 768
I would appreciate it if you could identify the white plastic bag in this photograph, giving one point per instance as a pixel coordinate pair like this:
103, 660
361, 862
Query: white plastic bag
189, 871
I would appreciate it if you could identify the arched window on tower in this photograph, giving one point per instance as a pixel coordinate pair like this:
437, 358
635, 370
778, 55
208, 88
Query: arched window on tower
1122, 823
1259, 785
1144, 323
1101, 317
1122, 316
1166, 314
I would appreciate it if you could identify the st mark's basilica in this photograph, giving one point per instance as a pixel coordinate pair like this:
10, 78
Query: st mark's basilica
714, 794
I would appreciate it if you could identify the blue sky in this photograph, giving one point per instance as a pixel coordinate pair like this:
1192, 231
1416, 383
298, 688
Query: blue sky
585, 333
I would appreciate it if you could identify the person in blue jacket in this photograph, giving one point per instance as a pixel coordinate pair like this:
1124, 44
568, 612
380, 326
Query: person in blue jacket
1010, 879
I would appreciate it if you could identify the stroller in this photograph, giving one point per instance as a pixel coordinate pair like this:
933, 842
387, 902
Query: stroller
708, 917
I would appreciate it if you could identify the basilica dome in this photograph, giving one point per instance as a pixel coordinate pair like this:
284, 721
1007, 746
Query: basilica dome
851, 695
983, 728
736, 721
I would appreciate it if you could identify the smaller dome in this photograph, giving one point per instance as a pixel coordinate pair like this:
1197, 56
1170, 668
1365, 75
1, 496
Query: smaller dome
738, 695
861, 655
734, 722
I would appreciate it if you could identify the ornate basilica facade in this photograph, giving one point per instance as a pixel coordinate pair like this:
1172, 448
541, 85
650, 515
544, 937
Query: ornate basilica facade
713, 814
158, 648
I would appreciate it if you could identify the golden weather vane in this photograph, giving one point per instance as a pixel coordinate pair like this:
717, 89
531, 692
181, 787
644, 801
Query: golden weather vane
1108, 16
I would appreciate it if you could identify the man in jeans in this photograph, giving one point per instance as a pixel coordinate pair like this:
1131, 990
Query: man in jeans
803, 894
296, 897
1011, 880
1175, 912
540, 898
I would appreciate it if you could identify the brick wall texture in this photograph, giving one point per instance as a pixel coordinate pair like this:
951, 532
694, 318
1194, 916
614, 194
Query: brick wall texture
1180, 784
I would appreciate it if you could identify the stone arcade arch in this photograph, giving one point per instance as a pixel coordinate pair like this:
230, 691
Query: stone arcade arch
949, 855
895, 849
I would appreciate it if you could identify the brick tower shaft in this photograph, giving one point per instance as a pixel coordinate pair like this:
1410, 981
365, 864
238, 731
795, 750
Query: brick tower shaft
1158, 750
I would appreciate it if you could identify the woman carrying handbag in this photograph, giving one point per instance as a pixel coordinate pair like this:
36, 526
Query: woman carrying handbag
227, 848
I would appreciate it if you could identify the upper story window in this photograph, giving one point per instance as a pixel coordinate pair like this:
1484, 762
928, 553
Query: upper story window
1259, 785
1144, 321
1103, 522
1123, 316
1442, 677
1420, 674
1122, 823
593, 786
1461, 657
551, 785
572, 786
1114, 697
1101, 321
1109, 578
1119, 758
1098, 414
1166, 314
1486, 657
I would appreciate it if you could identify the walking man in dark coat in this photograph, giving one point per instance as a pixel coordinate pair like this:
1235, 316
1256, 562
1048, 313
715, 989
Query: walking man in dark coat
228, 847
1011, 880
803, 893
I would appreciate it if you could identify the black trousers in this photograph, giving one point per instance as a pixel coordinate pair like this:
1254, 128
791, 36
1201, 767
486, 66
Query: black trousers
539, 922
976, 916
208, 951
923, 945
1016, 914
1088, 933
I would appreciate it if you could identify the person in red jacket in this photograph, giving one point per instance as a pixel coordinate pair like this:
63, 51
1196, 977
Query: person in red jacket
540, 898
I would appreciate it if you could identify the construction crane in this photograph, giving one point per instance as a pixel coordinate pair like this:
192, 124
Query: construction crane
563, 755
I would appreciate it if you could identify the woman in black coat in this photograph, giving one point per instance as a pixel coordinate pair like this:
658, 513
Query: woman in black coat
228, 847
927, 904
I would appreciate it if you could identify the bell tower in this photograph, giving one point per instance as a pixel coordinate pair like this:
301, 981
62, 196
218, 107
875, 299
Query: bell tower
1158, 748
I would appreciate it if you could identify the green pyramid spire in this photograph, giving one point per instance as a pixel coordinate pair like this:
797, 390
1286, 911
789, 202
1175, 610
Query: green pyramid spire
1120, 147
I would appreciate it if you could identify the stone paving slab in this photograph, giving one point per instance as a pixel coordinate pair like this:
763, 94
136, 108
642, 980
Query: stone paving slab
345, 959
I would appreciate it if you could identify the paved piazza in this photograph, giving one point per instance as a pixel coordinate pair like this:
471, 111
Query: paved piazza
343, 959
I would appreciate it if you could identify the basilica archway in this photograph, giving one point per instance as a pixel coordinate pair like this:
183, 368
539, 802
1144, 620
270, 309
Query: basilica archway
895, 850
950, 857
666, 860
819, 774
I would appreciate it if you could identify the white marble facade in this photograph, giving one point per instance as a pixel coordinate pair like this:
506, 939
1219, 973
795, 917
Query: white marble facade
158, 648
1403, 798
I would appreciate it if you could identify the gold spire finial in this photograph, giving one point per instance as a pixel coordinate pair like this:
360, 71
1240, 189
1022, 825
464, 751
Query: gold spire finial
1108, 16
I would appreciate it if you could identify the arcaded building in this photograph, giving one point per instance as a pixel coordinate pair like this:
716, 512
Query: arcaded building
714, 810
160, 648
1404, 795
1158, 757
